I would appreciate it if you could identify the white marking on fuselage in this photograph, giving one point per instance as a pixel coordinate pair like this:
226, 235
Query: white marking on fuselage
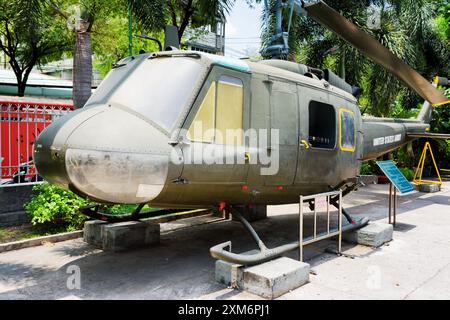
387, 140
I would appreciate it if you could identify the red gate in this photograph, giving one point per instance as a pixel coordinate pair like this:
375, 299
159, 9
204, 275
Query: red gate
20, 124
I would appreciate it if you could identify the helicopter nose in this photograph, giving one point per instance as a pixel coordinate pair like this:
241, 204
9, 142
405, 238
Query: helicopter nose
49, 148
114, 156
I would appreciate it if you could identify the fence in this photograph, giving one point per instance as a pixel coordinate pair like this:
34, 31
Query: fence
329, 232
20, 125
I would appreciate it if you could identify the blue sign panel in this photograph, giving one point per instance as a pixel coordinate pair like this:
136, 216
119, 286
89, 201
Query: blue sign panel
395, 176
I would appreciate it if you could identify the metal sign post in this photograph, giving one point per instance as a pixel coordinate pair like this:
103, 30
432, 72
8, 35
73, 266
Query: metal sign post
392, 204
396, 181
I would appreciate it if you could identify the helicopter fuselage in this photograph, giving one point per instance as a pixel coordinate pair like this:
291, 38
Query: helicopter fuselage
136, 140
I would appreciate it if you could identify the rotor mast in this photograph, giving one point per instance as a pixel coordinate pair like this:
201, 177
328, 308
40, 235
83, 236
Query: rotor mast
278, 45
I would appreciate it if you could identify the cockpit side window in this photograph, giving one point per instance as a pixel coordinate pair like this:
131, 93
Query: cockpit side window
219, 118
202, 128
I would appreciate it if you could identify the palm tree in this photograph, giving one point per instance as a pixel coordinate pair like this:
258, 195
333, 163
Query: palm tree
81, 23
153, 15
406, 28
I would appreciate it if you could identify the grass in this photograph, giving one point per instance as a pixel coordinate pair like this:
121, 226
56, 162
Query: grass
29, 231
23, 232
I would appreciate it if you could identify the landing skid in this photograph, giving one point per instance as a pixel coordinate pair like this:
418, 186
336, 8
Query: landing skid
93, 211
223, 251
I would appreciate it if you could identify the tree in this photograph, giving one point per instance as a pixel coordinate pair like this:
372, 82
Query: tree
28, 36
153, 15
407, 29
443, 21
110, 42
80, 17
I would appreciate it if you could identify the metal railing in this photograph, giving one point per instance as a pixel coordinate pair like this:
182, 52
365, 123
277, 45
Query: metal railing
20, 125
329, 232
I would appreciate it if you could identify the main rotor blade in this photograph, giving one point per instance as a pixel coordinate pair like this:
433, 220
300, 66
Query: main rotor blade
374, 50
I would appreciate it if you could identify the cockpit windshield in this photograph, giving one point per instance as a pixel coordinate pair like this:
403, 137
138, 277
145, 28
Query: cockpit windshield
158, 88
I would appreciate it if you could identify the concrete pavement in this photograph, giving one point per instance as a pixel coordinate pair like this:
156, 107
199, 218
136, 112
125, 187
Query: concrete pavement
415, 265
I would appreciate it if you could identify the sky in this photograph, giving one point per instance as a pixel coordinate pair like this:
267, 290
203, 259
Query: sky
243, 30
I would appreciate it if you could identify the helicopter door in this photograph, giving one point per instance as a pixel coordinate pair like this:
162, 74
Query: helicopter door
284, 120
215, 152
319, 153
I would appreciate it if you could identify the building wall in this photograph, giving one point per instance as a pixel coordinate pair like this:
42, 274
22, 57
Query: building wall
212, 42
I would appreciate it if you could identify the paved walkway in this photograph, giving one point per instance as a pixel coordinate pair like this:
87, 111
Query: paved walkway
415, 265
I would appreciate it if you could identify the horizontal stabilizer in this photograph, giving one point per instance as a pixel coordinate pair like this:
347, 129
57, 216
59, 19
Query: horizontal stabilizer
429, 135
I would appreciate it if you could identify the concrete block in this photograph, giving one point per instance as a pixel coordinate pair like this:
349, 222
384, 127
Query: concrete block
429, 188
231, 274
93, 232
275, 278
373, 235
129, 235
255, 213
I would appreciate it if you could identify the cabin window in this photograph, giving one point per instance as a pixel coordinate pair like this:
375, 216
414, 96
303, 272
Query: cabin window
322, 125
230, 103
220, 116
347, 130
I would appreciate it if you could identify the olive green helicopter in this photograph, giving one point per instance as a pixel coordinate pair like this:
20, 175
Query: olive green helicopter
185, 129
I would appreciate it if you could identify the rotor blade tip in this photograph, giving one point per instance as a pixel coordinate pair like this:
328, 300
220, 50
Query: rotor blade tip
441, 103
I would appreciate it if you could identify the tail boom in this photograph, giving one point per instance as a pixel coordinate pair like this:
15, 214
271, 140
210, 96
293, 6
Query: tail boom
382, 135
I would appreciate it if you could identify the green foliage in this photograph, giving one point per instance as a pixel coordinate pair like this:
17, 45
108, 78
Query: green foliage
408, 155
152, 15
440, 123
120, 209
54, 207
399, 111
29, 36
443, 20
110, 42
409, 29
408, 173
366, 169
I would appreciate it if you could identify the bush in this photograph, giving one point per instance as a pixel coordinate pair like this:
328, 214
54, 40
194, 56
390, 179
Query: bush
55, 208
365, 169
408, 173
119, 209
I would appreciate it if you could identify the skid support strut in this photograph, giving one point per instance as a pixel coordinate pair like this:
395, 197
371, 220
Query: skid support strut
93, 211
223, 251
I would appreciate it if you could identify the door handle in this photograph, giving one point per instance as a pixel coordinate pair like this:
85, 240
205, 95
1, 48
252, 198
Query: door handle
247, 158
305, 144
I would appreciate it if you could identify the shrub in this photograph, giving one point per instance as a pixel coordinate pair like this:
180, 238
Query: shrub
408, 173
119, 209
55, 207
365, 169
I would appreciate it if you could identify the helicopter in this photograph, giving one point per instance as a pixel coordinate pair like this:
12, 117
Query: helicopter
156, 130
